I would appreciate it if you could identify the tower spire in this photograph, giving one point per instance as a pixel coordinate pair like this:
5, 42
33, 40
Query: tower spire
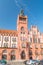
22, 12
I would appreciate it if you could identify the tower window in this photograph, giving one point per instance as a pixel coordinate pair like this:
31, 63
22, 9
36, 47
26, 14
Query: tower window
22, 19
22, 28
22, 32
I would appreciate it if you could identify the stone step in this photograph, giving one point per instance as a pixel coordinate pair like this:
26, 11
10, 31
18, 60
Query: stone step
15, 63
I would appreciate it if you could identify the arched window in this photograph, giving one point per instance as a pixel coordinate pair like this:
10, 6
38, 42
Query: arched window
22, 28
4, 54
23, 55
4, 57
13, 56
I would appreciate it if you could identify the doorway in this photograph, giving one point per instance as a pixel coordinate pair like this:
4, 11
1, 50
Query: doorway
22, 55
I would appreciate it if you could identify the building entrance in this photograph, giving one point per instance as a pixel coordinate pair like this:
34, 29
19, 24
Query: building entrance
22, 55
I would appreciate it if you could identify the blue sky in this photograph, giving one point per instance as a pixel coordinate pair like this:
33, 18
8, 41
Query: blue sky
9, 10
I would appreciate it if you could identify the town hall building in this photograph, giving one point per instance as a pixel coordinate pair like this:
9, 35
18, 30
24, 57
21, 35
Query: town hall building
21, 44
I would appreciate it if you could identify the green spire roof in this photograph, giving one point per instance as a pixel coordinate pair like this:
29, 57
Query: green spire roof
22, 12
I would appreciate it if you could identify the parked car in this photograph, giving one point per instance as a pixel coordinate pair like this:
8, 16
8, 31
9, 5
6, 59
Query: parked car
41, 62
31, 62
3, 62
0, 62
37, 62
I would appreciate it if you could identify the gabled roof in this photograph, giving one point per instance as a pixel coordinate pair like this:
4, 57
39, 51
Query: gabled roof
10, 32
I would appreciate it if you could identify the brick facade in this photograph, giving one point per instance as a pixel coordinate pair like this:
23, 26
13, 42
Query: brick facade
21, 44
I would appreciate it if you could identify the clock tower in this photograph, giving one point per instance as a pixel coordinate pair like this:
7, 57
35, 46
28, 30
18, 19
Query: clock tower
22, 29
